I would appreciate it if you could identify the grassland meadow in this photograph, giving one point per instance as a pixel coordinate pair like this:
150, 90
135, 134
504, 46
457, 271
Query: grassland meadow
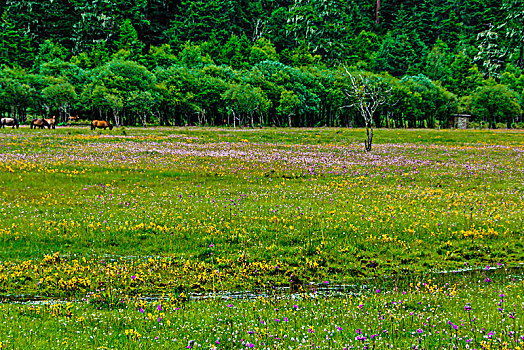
217, 238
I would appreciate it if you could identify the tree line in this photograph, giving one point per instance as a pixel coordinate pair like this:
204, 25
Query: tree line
283, 63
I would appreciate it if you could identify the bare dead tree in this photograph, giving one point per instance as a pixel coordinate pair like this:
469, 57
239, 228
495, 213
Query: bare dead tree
366, 96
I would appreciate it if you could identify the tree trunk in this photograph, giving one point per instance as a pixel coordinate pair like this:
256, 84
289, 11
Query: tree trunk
377, 12
117, 119
369, 141
521, 57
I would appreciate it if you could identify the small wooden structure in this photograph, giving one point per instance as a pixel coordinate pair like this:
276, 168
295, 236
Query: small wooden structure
459, 121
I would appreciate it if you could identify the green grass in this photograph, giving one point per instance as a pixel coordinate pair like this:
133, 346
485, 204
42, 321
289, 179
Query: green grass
430, 314
187, 210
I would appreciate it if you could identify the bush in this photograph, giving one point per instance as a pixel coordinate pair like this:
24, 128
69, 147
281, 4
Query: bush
479, 125
496, 102
519, 125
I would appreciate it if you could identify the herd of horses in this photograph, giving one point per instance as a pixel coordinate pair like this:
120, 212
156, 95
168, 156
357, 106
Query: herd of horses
50, 123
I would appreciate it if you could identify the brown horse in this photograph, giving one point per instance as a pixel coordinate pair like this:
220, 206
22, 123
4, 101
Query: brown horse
101, 124
9, 122
41, 123
73, 118
51, 122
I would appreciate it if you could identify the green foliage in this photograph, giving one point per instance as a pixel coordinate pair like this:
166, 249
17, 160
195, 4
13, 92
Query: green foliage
465, 76
128, 39
288, 103
364, 48
513, 27
236, 51
301, 57
245, 101
438, 61
9, 40
426, 101
115, 86
322, 26
195, 20
490, 55
50, 51
495, 104
464, 105
398, 56
275, 46
262, 50
161, 56
59, 97
17, 92
276, 29
193, 56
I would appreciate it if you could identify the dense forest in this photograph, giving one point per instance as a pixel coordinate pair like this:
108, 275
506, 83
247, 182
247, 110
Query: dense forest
268, 62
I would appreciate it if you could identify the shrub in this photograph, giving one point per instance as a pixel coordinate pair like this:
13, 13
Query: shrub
495, 104
501, 125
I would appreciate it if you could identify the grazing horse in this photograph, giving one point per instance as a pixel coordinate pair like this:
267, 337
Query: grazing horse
51, 122
101, 124
9, 122
41, 123
73, 118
